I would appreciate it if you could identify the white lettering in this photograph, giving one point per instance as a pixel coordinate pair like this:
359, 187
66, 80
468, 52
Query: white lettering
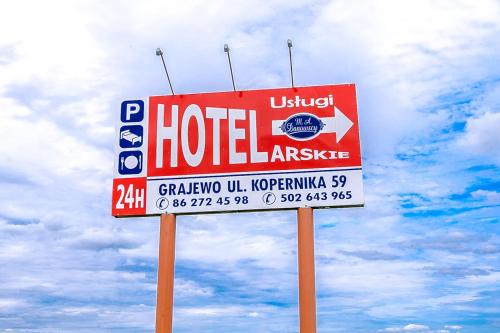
297, 101
132, 108
193, 110
343, 154
236, 134
195, 134
277, 154
283, 103
291, 153
306, 154
216, 114
320, 154
255, 155
163, 133
139, 198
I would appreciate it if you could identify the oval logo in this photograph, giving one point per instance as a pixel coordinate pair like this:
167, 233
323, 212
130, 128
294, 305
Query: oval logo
302, 126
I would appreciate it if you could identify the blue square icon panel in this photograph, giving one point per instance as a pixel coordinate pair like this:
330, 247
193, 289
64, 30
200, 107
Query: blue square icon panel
131, 136
132, 111
130, 162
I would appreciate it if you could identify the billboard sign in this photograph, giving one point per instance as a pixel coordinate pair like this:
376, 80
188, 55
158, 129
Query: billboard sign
238, 151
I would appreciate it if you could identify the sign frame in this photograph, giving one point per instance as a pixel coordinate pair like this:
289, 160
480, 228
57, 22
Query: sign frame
146, 151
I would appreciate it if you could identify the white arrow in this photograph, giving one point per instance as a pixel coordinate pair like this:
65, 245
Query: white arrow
339, 124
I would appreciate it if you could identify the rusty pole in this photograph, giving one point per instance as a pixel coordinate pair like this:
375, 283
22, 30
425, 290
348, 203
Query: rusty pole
307, 289
166, 259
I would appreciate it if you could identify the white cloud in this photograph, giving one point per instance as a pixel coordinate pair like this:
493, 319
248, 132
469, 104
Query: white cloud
211, 311
491, 197
40, 150
190, 288
232, 238
408, 328
484, 281
80, 310
53, 48
415, 327
14, 250
409, 58
99, 239
9, 304
481, 136
375, 279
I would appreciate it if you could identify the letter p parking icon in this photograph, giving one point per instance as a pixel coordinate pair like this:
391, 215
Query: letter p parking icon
132, 111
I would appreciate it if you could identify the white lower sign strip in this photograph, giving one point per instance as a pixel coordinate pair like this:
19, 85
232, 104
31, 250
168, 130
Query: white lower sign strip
262, 191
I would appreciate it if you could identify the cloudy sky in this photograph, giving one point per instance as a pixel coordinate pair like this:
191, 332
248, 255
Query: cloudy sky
422, 256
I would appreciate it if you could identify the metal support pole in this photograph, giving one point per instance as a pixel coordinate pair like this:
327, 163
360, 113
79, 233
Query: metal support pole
289, 43
166, 260
226, 49
159, 52
307, 289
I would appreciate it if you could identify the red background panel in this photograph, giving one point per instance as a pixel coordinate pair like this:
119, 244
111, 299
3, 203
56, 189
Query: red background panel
137, 183
344, 97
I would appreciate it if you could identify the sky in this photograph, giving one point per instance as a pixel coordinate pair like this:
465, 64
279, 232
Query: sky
422, 256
